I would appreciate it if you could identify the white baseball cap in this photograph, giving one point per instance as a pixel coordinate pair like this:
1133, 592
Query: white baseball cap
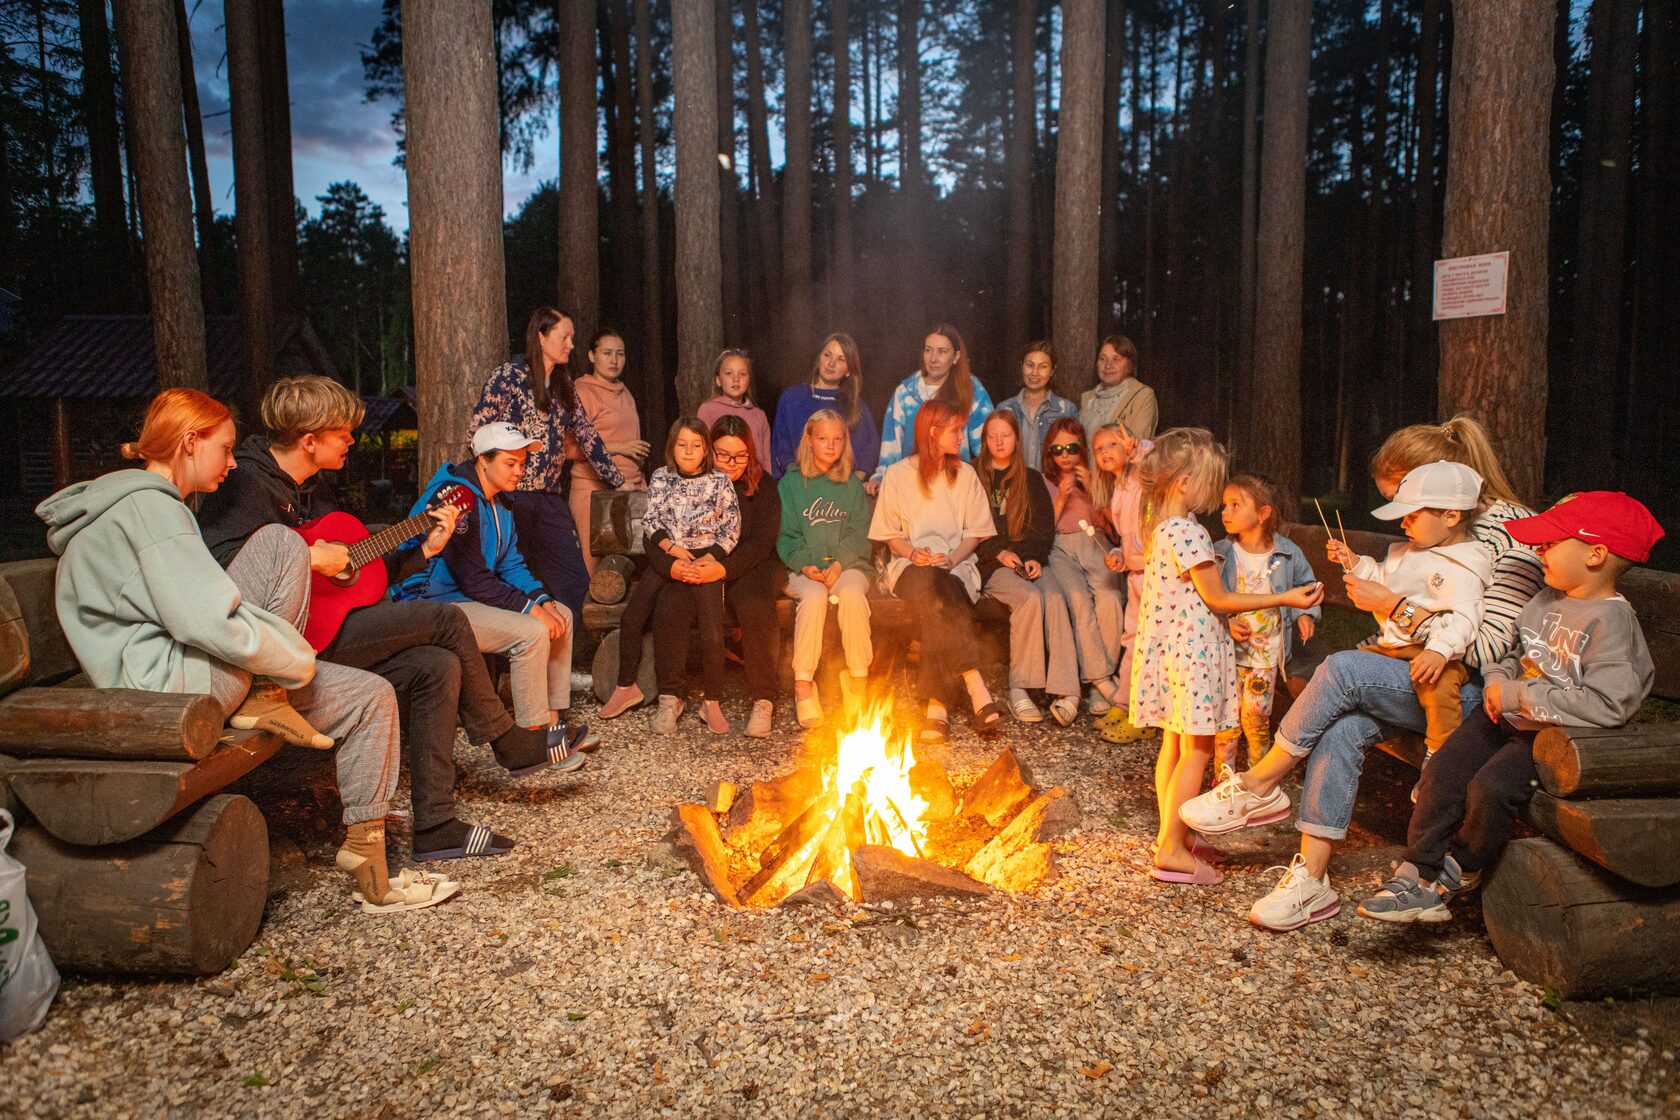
1438, 485
502, 437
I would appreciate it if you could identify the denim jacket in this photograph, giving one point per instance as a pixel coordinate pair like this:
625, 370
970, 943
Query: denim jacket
1289, 567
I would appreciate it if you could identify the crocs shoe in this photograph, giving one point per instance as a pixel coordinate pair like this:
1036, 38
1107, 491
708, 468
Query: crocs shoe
1298, 898
1229, 806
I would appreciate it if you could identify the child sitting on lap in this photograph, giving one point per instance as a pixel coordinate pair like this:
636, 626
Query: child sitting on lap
1441, 569
1581, 660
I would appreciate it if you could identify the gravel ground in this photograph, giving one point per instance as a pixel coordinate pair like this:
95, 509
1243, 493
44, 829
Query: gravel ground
581, 976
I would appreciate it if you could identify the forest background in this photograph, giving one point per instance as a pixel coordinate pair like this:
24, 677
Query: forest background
939, 122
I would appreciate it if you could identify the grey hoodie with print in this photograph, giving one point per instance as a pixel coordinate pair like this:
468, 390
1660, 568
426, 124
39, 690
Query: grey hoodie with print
141, 600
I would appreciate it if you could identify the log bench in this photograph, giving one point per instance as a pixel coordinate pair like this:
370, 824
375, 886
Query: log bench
1591, 905
136, 862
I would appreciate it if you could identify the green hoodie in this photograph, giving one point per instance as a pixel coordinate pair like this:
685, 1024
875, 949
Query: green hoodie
141, 600
823, 521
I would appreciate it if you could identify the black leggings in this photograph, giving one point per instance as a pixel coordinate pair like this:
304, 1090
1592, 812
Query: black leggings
752, 596
680, 606
950, 646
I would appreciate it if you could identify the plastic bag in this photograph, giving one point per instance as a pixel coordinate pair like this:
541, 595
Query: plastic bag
28, 979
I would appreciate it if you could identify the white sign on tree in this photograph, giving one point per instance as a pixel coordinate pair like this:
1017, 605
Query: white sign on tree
1466, 287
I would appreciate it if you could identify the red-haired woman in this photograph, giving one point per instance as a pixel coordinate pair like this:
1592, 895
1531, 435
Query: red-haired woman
1079, 564
144, 605
933, 514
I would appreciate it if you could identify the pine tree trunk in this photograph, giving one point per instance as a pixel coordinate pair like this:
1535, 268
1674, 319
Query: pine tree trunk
613, 18
580, 235
796, 184
652, 400
282, 199
729, 182
766, 214
839, 27
1108, 241
9, 262
1243, 391
1421, 349
99, 107
1018, 174
912, 300
1279, 244
1078, 189
1596, 334
1496, 199
699, 306
252, 206
204, 206
455, 214
152, 80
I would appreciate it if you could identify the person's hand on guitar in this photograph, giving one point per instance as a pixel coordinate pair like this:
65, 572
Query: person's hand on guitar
328, 558
444, 519
549, 615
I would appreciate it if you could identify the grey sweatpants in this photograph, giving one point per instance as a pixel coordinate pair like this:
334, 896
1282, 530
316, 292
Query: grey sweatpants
539, 667
357, 709
1041, 649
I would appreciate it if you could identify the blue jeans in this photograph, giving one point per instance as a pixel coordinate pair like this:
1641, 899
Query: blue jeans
1354, 701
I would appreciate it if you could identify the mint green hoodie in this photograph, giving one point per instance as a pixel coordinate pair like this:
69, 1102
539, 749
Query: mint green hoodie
142, 601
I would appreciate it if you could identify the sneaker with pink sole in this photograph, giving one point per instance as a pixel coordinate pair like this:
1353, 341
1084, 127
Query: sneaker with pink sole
1299, 898
1229, 806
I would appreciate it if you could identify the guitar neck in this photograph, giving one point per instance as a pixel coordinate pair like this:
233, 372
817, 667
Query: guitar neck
388, 538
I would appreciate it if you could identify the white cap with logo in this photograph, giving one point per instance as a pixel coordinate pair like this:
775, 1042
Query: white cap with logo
1438, 485
502, 437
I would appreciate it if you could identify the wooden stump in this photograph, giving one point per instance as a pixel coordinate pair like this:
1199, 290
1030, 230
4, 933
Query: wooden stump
1632, 837
615, 522
1642, 760
85, 801
1555, 919
123, 723
14, 641
610, 582
184, 900
604, 668
32, 583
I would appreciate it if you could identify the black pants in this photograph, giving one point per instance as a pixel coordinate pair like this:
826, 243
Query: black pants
950, 646
752, 596
427, 652
633, 623
548, 539
1470, 795
681, 606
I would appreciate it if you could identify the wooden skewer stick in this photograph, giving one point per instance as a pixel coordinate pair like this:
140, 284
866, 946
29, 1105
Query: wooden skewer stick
1342, 529
1326, 523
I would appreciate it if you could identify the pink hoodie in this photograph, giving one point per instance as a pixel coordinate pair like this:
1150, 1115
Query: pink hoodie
757, 422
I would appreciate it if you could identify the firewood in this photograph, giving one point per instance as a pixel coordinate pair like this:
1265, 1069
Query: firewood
1642, 760
114, 723
610, 582
1000, 792
695, 841
722, 796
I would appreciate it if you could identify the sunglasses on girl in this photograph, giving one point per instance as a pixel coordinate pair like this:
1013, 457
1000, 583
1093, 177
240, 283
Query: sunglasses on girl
1066, 448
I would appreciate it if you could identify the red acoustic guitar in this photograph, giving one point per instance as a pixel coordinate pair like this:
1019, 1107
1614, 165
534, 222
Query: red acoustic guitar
364, 579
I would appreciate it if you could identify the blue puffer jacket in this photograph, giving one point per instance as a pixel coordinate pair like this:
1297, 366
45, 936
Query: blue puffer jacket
481, 563
1289, 568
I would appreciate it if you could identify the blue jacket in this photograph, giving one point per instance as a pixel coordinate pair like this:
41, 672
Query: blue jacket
1289, 568
898, 429
481, 563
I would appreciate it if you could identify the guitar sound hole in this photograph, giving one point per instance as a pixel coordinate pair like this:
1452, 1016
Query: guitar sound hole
346, 577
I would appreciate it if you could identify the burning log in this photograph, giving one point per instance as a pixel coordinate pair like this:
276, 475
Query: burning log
722, 796
695, 841
931, 781
784, 863
759, 813
888, 875
1005, 861
1000, 792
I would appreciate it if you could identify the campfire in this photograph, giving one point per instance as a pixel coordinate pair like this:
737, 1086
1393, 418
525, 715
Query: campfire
864, 818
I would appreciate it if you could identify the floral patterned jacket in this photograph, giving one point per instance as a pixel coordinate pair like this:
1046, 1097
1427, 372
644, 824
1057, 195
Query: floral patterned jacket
507, 398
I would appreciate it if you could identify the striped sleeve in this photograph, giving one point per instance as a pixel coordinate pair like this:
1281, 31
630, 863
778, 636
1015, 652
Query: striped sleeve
1517, 578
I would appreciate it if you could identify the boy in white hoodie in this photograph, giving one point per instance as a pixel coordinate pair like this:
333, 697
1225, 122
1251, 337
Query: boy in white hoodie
1440, 569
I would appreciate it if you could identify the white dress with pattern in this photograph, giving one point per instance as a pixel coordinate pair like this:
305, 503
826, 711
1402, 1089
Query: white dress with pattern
1184, 673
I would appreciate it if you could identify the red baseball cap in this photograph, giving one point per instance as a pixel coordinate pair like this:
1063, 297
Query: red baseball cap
1607, 517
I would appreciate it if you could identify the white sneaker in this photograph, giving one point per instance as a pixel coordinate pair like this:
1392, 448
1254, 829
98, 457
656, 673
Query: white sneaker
1298, 898
665, 717
758, 724
1228, 806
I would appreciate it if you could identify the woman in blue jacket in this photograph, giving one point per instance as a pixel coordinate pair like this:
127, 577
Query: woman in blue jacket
482, 571
1255, 558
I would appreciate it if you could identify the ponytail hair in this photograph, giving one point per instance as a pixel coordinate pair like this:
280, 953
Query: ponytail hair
547, 385
1460, 440
172, 414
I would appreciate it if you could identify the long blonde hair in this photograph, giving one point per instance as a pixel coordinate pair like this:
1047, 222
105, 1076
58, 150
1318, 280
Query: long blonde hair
1104, 484
1460, 440
807, 459
1179, 452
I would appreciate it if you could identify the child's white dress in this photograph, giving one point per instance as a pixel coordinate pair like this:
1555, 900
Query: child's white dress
1184, 675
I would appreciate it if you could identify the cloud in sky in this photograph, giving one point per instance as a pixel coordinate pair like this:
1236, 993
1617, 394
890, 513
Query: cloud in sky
337, 134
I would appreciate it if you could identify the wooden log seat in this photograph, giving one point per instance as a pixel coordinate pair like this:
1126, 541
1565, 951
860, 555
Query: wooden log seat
1556, 919
1637, 838
100, 801
610, 582
47, 656
116, 723
1640, 760
184, 900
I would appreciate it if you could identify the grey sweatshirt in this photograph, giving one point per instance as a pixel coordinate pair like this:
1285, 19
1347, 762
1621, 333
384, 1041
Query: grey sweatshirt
142, 601
1581, 662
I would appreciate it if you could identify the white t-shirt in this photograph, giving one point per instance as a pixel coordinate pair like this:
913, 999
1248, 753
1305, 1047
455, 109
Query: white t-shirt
952, 511
1264, 649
